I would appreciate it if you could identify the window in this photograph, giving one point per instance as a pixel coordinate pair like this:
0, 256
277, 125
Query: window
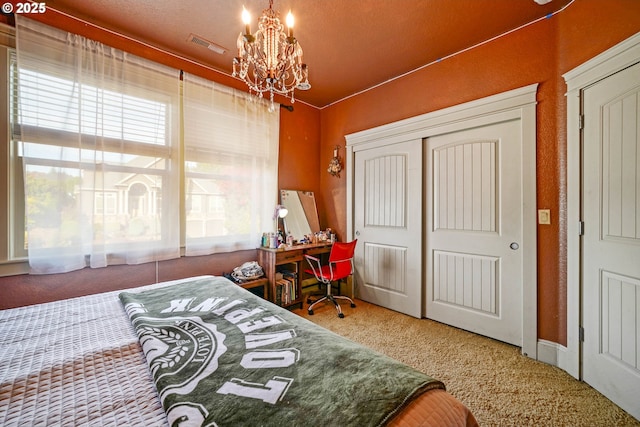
12, 239
231, 152
105, 203
101, 148
73, 156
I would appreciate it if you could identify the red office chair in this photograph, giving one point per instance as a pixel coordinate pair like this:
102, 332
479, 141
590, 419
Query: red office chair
340, 267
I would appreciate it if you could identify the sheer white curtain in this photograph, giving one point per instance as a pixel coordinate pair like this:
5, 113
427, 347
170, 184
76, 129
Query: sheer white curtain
99, 138
231, 167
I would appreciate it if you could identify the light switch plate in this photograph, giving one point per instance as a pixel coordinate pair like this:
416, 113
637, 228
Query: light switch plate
544, 216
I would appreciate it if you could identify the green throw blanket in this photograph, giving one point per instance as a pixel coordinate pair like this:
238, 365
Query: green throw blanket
221, 356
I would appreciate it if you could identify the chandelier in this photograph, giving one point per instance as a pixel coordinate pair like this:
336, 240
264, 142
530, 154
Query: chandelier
270, 60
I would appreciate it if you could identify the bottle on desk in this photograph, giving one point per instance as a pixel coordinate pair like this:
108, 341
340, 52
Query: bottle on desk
269, 240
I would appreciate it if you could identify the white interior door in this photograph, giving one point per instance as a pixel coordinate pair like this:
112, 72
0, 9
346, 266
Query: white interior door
387, 218
474, 230
611, 242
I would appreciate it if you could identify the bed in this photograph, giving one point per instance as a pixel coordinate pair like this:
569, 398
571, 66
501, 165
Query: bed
201, 351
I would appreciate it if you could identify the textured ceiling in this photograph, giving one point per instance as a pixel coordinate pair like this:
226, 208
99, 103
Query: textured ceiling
349, 45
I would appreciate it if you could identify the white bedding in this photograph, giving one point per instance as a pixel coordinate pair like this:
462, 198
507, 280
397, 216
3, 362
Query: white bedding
57, 365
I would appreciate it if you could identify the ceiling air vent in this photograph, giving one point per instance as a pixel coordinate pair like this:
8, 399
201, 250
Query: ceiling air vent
206, 43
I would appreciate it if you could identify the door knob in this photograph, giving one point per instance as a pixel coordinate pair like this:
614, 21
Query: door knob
357, 233
514, 246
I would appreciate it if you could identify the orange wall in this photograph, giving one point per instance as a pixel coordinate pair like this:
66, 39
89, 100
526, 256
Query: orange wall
298, 159
539, 53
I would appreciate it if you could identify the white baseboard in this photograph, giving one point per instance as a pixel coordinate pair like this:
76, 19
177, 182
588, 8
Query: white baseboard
553, 354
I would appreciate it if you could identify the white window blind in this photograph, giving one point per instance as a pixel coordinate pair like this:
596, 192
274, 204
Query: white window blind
231, 165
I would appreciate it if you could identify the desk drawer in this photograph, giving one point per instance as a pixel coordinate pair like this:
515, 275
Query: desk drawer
284, 257
318, 251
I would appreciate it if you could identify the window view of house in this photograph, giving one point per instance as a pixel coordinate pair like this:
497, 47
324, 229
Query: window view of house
113, 179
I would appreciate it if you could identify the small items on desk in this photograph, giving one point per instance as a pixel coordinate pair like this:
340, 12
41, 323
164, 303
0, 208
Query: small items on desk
275, 240
326, 236
271, 240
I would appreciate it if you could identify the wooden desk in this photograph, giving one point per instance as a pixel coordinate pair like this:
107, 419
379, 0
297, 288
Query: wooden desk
292, 259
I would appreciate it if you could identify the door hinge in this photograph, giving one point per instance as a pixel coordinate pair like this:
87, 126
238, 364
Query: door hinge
580, 228
581, 121
581, 334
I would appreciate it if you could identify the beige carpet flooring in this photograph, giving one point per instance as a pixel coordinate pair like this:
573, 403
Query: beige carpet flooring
498, 384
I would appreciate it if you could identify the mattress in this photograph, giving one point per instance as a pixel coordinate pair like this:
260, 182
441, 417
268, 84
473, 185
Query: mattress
79, 362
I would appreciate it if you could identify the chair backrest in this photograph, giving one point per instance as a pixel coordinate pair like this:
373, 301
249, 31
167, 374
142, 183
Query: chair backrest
341, 257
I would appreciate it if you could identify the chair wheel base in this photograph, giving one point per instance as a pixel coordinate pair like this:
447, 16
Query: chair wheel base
353, 305
341, 315
310, 312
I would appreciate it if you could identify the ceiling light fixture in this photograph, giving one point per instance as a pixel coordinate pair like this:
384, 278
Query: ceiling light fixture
271, 59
